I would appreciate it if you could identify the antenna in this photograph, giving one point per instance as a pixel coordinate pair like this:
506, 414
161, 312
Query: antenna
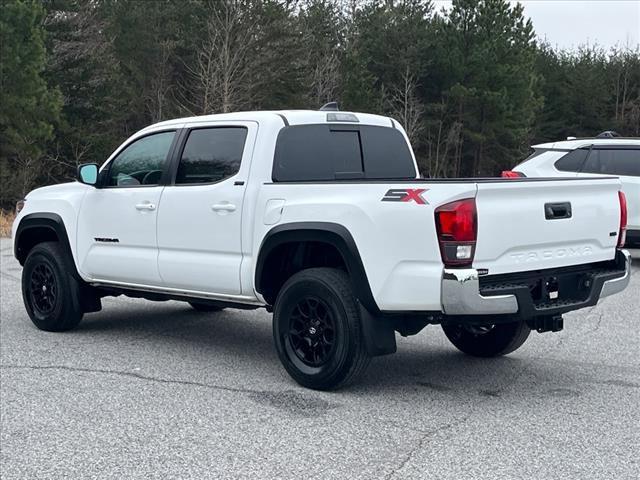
330, 107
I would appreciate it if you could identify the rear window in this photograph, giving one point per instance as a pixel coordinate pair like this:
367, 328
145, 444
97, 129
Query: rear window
572, 161
613, 162
339, 152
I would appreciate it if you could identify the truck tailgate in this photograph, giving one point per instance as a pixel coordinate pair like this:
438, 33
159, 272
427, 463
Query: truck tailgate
538, 224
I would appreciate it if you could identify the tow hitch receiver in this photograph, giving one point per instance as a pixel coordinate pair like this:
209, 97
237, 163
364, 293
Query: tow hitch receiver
552, 323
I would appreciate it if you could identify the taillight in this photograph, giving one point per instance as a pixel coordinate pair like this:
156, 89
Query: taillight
512, 174
622, 234
457, 228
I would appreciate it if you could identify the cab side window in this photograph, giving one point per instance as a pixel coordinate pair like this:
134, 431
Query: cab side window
142, 162
211, 155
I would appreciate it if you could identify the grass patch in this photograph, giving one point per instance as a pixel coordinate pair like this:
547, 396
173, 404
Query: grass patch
6, 220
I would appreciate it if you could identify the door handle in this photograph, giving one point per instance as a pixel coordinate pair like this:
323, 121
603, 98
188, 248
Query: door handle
145, 206
223, 207
557, 211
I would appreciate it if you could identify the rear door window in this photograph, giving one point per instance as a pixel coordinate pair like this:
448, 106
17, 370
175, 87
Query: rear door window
211, 155
614, 162
337, 152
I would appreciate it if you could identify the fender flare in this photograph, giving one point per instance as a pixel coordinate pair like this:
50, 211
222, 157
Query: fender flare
331, 233
51, 221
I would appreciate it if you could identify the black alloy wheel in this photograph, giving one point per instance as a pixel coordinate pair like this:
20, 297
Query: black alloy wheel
43, 288
311, 331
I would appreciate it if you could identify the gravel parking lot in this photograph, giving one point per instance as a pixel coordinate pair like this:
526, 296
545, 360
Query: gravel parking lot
156, 390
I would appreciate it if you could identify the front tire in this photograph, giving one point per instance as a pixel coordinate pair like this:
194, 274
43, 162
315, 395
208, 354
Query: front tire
317, 329
487, 341
50, 293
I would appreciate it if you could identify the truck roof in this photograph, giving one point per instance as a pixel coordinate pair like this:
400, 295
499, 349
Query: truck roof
293, 117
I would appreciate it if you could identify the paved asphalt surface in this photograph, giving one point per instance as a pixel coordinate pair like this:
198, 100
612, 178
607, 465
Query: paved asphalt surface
155, 390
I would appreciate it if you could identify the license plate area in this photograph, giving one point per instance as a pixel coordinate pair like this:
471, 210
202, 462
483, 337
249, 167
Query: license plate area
554, 291
546, 291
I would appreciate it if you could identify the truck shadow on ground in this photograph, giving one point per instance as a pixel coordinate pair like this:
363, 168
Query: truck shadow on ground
424, 366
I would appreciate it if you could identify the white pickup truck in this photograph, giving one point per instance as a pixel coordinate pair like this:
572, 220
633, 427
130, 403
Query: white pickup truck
322, 218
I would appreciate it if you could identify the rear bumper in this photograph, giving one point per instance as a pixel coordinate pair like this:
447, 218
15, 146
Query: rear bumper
616, 285
461, 295
529, 294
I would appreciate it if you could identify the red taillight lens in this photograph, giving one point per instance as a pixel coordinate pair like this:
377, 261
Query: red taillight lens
457, 227
511, 174
622, 234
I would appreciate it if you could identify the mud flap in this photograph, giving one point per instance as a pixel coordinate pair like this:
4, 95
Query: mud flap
84, 296
379, 333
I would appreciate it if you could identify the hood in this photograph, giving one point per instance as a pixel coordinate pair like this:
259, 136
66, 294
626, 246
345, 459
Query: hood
54, 191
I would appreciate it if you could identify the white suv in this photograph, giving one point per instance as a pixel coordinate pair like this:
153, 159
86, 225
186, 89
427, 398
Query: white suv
592, 157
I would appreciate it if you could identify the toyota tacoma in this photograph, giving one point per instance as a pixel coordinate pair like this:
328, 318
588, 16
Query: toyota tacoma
322, 218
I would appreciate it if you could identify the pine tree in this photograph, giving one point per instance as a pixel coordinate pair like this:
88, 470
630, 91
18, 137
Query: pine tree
30, 109
489, 83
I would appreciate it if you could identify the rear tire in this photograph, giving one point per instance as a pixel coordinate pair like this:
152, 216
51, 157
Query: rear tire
205, 307
50, 293
317, 329
487, 341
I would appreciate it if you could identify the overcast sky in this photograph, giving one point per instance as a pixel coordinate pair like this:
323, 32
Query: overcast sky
569, 23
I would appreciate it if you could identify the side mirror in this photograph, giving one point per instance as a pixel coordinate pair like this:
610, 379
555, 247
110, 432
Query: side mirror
88, 174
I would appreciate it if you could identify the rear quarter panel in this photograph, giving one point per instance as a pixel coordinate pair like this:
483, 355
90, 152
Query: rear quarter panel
396, 240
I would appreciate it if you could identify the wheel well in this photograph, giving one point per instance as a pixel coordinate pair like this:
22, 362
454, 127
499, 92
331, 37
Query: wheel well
32, 236
288, 258
288, 248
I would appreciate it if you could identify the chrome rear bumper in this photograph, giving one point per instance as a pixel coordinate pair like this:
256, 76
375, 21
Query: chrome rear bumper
461, 295
611, 287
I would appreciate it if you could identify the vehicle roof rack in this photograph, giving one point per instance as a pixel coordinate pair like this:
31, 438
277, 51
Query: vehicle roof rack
330, 107
608, 134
